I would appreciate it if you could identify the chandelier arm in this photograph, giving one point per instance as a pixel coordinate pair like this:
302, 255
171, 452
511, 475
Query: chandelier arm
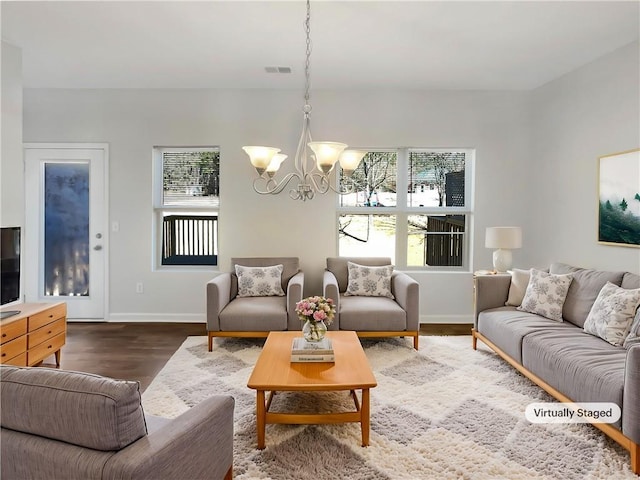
273, 187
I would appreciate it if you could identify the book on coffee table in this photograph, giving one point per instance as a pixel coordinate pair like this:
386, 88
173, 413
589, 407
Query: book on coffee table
303, 351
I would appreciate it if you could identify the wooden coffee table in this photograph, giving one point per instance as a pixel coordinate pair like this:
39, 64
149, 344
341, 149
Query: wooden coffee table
274, 372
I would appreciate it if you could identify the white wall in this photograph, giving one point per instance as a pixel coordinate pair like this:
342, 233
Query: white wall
591, 112
12, 177
133, 121
536, 166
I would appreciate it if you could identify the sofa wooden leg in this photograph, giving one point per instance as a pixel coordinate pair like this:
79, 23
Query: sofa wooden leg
416, 338
474, 339
210, 342
635, 458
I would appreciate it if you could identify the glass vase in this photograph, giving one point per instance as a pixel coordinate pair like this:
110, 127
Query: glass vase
314, 331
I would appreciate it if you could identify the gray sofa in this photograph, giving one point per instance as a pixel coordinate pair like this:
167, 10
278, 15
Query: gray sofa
229, 315
373, 316
560, 357
68, 425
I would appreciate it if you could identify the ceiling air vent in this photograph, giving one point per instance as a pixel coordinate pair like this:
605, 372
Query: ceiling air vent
278, 69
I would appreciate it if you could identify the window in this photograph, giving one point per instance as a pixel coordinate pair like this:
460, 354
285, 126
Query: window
413, 205
186, 201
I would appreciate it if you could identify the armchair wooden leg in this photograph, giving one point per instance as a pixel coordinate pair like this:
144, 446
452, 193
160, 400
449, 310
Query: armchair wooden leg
416, 338
635, 458
474, 339
229, 474
210, 342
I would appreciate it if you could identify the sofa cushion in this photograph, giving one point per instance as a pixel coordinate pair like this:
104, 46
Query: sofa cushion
581, 366
260, 281
368, 281
545, 294
630, 280
506, 327
612, 313
584, 290
78, 408
371, 314
254, 314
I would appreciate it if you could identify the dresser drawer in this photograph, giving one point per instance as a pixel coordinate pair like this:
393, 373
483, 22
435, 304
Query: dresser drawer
36, 337
13, 330
19, 361
39, 319
42, 351
13, 348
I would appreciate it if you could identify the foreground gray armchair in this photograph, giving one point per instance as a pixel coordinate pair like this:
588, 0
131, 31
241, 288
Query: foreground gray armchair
230, 315
59, 424
372, 316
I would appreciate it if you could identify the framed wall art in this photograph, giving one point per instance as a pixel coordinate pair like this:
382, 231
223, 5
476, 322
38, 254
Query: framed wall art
619, 199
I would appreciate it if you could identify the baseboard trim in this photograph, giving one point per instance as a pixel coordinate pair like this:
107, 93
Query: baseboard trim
465, 319
157, 318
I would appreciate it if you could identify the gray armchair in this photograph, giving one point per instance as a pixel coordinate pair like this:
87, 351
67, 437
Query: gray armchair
373, 316
61, 424
229, 315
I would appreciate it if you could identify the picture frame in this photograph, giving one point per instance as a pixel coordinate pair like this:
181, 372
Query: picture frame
619, 199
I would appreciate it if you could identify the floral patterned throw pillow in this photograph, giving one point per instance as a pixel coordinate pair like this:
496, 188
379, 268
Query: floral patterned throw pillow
369, 281
612, 313
545, 294
260, 281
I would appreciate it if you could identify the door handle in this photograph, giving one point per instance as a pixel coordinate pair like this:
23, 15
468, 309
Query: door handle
98, 247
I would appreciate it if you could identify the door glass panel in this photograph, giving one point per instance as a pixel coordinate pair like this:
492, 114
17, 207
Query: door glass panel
66, 229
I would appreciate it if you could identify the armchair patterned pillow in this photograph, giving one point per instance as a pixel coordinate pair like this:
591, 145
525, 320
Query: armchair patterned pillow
369, 281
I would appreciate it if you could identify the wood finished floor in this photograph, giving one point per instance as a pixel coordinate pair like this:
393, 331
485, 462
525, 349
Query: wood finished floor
138, 351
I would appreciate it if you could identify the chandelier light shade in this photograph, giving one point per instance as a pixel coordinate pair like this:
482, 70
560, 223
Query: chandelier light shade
260, 157
503, 239
350, 159
314, 161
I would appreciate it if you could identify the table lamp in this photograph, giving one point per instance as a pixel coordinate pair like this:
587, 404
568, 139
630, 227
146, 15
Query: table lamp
504, 239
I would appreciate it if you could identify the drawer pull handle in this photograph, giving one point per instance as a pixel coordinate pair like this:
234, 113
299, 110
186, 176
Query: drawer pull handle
50, 316
4, 335
48, 332
4, 354
50, 346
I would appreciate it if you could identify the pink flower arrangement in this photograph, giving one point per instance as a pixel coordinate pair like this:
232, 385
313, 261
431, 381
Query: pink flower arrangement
316, 309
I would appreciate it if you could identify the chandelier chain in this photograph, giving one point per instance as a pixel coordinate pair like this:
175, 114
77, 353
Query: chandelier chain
307, 28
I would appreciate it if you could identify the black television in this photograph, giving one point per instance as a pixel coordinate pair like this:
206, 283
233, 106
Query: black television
9, 264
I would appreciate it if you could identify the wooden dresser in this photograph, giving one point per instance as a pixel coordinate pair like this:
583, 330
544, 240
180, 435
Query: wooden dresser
38, 331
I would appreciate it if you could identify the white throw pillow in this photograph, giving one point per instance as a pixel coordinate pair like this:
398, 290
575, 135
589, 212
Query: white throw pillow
518, 287
612, 313
545, 294
260, 281
369, 281
634, 331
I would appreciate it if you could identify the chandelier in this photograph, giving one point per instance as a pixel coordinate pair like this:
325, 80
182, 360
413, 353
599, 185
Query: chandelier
312, 170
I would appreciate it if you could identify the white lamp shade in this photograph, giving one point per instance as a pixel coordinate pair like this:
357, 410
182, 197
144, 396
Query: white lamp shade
275, 162
326, 153
350, 159
503, 237
260, 157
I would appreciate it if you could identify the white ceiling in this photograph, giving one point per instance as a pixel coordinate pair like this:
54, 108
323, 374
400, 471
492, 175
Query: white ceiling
388, 44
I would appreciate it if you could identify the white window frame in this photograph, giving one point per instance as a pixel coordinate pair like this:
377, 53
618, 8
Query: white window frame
159, 209
402, 211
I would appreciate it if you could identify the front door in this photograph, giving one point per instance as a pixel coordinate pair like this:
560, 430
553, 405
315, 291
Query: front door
66, 235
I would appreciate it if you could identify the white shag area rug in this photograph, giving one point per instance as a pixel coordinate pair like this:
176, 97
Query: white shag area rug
443, 412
